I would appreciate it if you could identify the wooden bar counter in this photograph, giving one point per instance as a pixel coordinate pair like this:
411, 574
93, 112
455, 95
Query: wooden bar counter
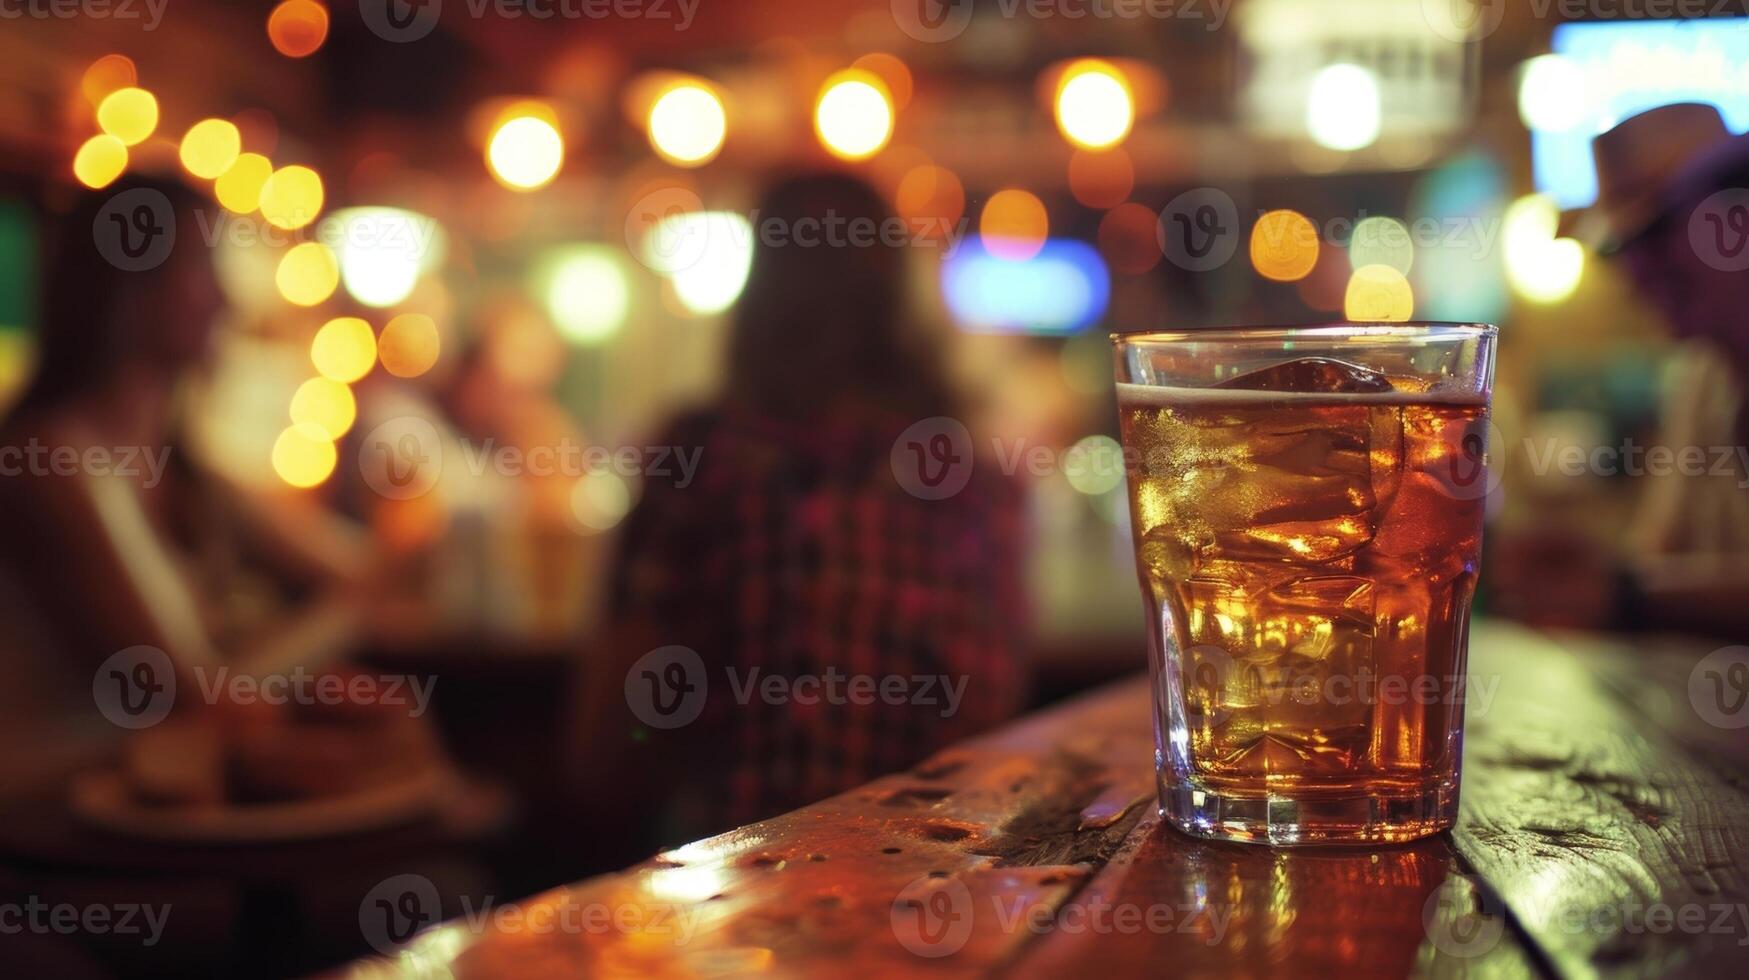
1604, 832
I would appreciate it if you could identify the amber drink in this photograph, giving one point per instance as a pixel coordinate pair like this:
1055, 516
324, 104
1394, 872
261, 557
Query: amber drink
1307, 506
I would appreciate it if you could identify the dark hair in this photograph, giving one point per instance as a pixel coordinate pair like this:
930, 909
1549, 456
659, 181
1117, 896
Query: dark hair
85, 334
821, 324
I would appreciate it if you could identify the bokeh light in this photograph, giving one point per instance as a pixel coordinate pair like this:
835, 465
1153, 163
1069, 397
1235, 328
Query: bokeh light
1013, 224
1284, 245
687, 124
291, 197
1101, 179
1129, 239
706, 256
890, 70
239, 187
128, 114
1094, 107
210, 147
600, 500
107, 74
586, 293
854, 115
1378, 293
410, 345
383, 251
1343, 107
297, 27
100, 160
307, 274
326, 404
1541, 268
931, 199
525, 151
1094, 465
1382, 241
303, 455
344, 349
1551, 93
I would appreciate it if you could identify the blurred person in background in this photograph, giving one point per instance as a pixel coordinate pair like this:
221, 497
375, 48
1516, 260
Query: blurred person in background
1684, 561
141, 542
796, 553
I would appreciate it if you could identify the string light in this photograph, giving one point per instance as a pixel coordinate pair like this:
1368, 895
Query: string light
410, 345
307, 274
210, 147
100, 160
297, 27
525, 151
854, 114
291, 197
239, 187
326, 404
128, 114
1094, 107
303, 455
687, 125
344, 350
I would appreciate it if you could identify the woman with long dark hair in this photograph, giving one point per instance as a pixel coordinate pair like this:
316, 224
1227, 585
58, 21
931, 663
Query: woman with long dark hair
840, 620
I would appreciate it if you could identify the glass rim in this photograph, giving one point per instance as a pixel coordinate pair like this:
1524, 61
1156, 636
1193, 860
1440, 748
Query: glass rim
1332, 330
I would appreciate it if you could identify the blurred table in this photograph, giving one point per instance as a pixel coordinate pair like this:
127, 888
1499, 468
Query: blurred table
1599, 835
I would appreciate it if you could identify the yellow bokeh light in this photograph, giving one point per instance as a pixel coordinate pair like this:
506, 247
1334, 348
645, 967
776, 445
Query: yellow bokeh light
600, 500
1378, 293
525, 151
1094, 107
128, 114
687, 125
1013, 224
100, 160
854, 116
307, 274
106, 75
239, 187
297, 27
1541, 268
409, 346
210, 147
291, 197
303, 455
1284, 245
326, 404
344, 349
1382, 241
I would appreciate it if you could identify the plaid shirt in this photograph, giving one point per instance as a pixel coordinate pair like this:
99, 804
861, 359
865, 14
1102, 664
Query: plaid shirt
796, 553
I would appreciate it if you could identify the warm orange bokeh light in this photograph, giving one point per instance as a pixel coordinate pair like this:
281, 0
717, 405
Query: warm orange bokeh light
931, 199
1101, 179
1284, 246
1129, 238
106, 75
297, 27
890, 70
1013, 224
409, 345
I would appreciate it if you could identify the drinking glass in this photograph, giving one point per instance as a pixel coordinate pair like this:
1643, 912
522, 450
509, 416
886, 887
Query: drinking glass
1307, 505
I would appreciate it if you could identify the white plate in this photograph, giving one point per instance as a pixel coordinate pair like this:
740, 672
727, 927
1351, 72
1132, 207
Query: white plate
102, 799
